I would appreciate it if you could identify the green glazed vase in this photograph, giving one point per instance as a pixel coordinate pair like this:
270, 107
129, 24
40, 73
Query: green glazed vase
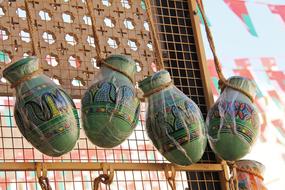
174, 122
45, 115
250, 175
110, 108
233, 122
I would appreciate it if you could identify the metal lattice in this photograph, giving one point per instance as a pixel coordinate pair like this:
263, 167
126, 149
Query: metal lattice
64, 38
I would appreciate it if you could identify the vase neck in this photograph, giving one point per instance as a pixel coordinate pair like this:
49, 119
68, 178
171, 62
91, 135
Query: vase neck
245, 84
122, 64
159, 81
22, 70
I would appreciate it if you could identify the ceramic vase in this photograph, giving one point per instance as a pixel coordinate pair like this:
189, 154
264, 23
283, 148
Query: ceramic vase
110, 108
44, 113
233, 122
174, 122
250, 175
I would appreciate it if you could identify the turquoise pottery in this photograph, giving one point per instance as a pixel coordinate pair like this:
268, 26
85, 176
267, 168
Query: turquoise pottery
233, 122
250, 175
110, 108
174, 122
44, 113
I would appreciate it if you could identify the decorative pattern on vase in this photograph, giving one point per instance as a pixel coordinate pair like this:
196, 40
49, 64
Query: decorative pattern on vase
45, 115
233, 122
110, 109
174, 122
250, 175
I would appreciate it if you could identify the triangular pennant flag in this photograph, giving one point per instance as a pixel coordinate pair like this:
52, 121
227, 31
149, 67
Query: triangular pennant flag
279, 125
276, 99
278, 76
243, 69
215, 79
278, 9
239, 8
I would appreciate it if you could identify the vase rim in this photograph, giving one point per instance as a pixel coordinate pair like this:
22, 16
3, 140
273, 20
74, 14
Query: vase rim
248, 160
260, 165
155, 76
17, 64
127, 61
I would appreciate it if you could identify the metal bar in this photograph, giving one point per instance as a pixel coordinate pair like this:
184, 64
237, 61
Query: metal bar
68, 166
201, 54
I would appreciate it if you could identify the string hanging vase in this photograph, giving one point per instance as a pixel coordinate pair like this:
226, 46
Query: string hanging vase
174, 122
110, 108
44, 113
233, 122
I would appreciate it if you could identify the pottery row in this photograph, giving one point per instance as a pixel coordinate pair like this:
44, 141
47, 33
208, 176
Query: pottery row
46, 115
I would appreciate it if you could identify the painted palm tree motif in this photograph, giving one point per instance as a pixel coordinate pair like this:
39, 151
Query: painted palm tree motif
50, 105
106, 93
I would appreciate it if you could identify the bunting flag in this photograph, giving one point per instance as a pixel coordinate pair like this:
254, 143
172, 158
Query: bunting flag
215, 79
239, 8
278, 76
276, 99
273, 72
279, 125
278, 9
243, 65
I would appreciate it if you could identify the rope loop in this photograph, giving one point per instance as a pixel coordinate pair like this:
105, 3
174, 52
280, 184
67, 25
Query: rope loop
170, 174
157, 89
224, 84
250, 172
42, 176
233, 181
105, 178
103, 63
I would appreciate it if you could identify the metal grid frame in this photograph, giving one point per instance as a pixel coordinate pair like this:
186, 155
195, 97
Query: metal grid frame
189, 76
184, 59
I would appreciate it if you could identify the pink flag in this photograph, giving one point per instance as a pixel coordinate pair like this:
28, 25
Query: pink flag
239, 8
278, 9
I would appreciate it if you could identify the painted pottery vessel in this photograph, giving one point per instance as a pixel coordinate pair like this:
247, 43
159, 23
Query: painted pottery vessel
44, 113
174, 122
110, 108
250, 175
233, 123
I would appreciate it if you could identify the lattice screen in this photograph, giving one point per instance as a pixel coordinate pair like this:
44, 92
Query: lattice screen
63, 35
67, 52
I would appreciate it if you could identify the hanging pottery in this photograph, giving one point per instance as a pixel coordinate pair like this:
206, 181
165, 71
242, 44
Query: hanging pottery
110, 108
174, 122
44, 113
232, 122
250, 175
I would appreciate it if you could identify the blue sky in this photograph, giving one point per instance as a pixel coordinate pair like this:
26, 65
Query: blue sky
234, 41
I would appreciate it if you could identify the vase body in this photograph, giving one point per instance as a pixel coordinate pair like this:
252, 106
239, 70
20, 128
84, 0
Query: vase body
250, 175
233, 122
110, 108
44, 113
174, 122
